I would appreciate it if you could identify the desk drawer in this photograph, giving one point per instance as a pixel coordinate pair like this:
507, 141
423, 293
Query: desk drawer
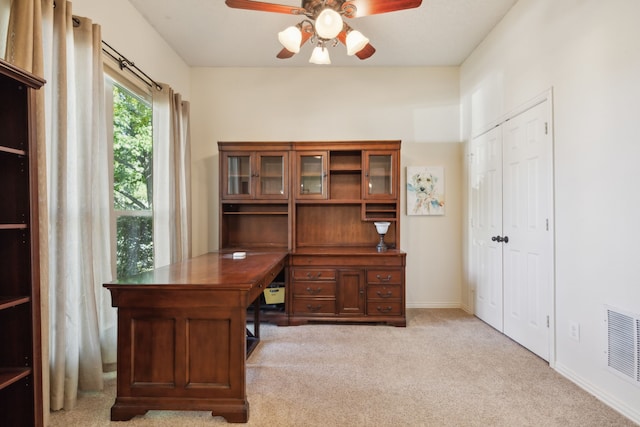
314, 289
382, 292
384, 308
314, 307
314, 274
384, 276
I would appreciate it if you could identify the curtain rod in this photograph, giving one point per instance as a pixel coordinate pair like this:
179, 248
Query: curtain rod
122, 61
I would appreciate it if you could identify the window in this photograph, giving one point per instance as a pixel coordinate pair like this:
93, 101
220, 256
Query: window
132, 135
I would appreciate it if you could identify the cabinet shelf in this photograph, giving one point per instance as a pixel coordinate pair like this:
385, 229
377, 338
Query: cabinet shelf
9, 376
345, 161
256, 213
8, 302
330, 202
10, 150
341, 170
13, 226
20, 355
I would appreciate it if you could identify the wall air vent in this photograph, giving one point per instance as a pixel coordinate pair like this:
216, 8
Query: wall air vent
623, 344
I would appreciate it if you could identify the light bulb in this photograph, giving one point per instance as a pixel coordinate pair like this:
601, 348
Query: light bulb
320, 56
382, 227
355, 42
329, 24
291, 38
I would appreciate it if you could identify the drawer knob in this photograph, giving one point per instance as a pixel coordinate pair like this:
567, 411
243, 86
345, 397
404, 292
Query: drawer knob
384, 309
383, 279
313, 308
313, 291
388, 294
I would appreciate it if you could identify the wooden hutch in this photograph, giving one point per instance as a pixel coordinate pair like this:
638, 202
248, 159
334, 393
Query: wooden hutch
20, 355
319, 200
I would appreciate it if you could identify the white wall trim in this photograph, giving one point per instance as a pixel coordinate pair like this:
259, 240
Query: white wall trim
443, 304
632, 413
538, 99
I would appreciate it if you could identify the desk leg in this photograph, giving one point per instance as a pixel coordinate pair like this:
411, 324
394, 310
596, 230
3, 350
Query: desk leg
256, 318
254, 338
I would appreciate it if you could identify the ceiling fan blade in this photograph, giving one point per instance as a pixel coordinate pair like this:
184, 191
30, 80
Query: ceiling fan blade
265, 7
285, 54
376, 7
366, 51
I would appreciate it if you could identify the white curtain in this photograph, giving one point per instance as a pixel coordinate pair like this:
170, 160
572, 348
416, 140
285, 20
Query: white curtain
79, 217
171, 179
79, 335
5, 8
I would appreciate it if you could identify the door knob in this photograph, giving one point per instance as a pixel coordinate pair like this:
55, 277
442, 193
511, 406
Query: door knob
504, 239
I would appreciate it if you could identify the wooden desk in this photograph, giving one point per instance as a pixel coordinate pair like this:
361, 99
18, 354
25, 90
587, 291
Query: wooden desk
182, 334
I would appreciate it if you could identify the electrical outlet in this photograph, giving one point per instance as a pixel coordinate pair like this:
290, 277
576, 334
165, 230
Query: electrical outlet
574, 330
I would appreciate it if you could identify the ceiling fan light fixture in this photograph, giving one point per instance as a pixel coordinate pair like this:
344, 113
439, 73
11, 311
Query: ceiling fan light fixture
291, 38
355, 42
320, 56
328, 24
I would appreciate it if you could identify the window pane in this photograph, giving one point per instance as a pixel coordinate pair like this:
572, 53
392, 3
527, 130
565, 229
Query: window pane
134, 245
132, 151
380, 174
132, 181
239, 175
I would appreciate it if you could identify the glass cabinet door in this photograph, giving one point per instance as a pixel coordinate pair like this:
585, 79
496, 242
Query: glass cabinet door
272, 176
312, 175
238, 175
379, 175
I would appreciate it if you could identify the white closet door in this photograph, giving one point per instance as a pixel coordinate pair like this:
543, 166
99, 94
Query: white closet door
486, 222
527, 213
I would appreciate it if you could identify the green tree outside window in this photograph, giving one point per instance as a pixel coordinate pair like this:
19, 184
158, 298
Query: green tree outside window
132, 181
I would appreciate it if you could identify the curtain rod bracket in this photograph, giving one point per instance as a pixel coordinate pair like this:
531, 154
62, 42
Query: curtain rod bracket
124, 63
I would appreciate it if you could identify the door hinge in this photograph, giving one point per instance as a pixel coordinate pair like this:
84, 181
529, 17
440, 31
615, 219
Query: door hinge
547, 321
547, 221
546, 128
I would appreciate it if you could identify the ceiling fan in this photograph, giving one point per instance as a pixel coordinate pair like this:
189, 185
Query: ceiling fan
323, 24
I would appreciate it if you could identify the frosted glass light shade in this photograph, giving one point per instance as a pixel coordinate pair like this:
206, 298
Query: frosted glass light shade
291, 38
382, 227
355, 42
329, 24
320, 56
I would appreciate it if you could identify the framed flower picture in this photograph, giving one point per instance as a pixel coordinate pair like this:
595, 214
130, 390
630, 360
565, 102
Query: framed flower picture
425, 190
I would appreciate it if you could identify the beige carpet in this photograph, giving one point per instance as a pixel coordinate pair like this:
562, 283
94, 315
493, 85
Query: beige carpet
446, 368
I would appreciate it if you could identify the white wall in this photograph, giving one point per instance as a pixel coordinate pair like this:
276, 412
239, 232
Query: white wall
419, 106
588, 52
128, 32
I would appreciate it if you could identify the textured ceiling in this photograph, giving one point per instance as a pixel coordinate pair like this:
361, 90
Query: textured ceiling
207, 33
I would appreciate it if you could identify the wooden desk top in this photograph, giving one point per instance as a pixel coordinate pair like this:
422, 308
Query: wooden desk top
215, 270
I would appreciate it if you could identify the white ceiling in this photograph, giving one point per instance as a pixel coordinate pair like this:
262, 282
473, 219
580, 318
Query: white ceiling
207, 33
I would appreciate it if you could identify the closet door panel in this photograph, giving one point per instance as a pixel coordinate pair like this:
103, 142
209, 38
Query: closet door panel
486, 223
528, 254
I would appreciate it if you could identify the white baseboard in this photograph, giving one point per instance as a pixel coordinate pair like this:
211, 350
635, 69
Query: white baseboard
434, 305
632, 413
